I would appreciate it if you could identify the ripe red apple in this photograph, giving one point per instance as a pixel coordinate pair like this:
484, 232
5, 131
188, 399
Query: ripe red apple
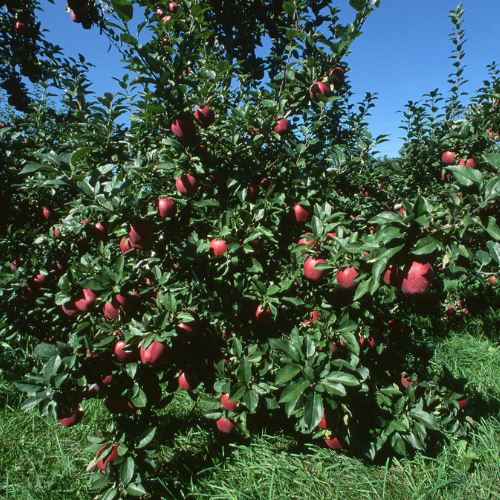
125, 354
314, 275
21, 28
252, 191
166, 207
188, 381
469, 163
70, 308
225, 425
371, 341
125, 245
335, 443
302, 214
463, 402
204, 115
448, 157
156, 353
218, 247
320, 88
305, 241
141, 232
331, 418
100, 232
69, 416
118, 404
416, 277
111, 310
314, 316
101, 464
61, 267
402, 212
492, 281
172, 7
47, 213
85, 300
39, 281
338, 77
263, 316
228, 405
283, 127
186, 184
346, 276
183, 126
404, 381
188, 331
390, 276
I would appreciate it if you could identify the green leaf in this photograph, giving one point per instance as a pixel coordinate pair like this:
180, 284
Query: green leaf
492, 229
136, 490
286, 347
146, 437
425, 246
494, 249
36, 167
289, 7
358, 4
46, 350
294, 390
244, 373
31, 402
286, 374
398, 444
342, 378
493, 159
313, 411
362, 288
425, 418
386, 218
124, 9
127, 471
251, 399
334, 388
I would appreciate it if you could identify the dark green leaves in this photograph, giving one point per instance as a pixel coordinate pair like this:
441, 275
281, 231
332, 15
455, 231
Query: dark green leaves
124, 9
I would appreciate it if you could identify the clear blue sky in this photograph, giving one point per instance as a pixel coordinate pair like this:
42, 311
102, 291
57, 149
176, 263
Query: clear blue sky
403, 53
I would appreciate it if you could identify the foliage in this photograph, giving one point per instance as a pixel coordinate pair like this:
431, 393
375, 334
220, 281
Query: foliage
259, 154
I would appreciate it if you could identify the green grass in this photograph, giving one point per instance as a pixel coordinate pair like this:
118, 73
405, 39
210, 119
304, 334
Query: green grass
41, 460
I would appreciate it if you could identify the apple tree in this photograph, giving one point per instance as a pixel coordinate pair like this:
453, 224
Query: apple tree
238, 240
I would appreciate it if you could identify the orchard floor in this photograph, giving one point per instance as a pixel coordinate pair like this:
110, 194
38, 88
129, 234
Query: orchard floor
41, 460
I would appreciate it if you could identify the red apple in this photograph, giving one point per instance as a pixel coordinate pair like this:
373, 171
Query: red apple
125, 245
125, 354
492, 281
346, 276
47, 213
70, 308
402, 212
172, 7
283, 127
314, 275
330, 420
21, 28
101, 464
371, 341
225, 425
338, 77
188, 381
302, 214
85, 300
264, 316
252, 191
118, 404
218, 247
404, 381
314, 316
448, 157
39, 281
305, 241
100, 232
188, 331
469, 163
204, 115
183, 126
156, 353
390, 276
186, 184
166, 207
228, 405
335, 443
69, 416
141, 232
320, 88
416, 278
111, 310
463, 402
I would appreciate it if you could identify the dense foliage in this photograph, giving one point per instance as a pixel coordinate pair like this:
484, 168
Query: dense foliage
239, 239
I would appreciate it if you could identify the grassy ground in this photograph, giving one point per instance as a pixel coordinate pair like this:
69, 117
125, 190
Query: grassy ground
41, 460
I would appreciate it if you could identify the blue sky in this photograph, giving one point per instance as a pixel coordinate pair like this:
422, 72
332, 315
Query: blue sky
403, 53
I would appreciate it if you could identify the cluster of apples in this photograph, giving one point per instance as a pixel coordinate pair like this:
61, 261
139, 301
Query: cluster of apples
336, 79
450, 158
173, 7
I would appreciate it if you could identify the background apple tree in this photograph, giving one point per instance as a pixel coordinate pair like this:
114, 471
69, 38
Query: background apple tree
238, 240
